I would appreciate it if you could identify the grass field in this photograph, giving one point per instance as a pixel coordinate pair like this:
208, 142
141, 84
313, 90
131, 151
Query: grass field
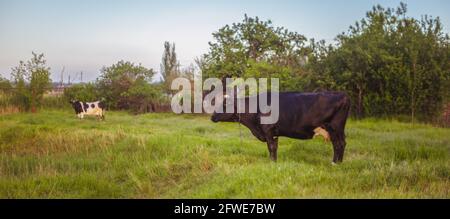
54, 155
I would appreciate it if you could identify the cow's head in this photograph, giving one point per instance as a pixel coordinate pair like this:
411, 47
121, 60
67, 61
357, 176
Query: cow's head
74, 102
76, 105
225, 116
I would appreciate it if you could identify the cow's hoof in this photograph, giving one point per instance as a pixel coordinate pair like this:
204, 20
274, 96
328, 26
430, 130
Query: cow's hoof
333, 164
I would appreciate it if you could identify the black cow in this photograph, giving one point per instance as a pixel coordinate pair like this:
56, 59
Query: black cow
301, 116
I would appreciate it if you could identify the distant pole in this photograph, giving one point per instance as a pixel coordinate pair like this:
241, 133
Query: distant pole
81, 77
62, 76
69, 79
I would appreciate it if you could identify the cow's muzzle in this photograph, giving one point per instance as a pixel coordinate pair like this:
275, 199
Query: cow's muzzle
214, 119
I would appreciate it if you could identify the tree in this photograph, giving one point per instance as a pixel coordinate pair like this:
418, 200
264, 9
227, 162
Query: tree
390, 64
31, 80
188, 72
255, 48
116, 80
170, 67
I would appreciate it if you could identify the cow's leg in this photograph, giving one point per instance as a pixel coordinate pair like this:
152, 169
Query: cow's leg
272, 144
334, 140
342, 146
338, 140
336, 151
335, 148
337, 126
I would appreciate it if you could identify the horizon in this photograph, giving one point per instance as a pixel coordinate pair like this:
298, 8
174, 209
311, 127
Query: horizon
85, 36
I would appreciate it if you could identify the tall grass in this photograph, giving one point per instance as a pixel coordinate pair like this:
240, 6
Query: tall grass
6, 104
54, 155
55, 102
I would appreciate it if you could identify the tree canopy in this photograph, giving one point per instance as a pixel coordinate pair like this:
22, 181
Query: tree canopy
32, 80
255, 48
116, 81
388, 63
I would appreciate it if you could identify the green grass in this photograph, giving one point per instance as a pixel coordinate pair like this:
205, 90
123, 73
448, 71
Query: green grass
54, 155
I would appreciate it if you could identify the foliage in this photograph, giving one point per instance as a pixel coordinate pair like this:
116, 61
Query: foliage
5, 85
255, 48
170, 66
392, 64
115, 82
388, 63
82, 92
141, 96
31, 81
123, 86
6, 97
55, 102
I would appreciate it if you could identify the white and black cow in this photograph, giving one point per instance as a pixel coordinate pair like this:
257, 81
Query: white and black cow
96, 108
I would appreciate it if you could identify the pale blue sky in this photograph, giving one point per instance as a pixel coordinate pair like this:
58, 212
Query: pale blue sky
86, 35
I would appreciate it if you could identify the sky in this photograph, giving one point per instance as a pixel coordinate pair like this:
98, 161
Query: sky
85, 35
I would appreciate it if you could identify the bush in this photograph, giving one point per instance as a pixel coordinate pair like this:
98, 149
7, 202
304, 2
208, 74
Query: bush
82, 92
116, 80
143, 97
55, 102
122, 86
